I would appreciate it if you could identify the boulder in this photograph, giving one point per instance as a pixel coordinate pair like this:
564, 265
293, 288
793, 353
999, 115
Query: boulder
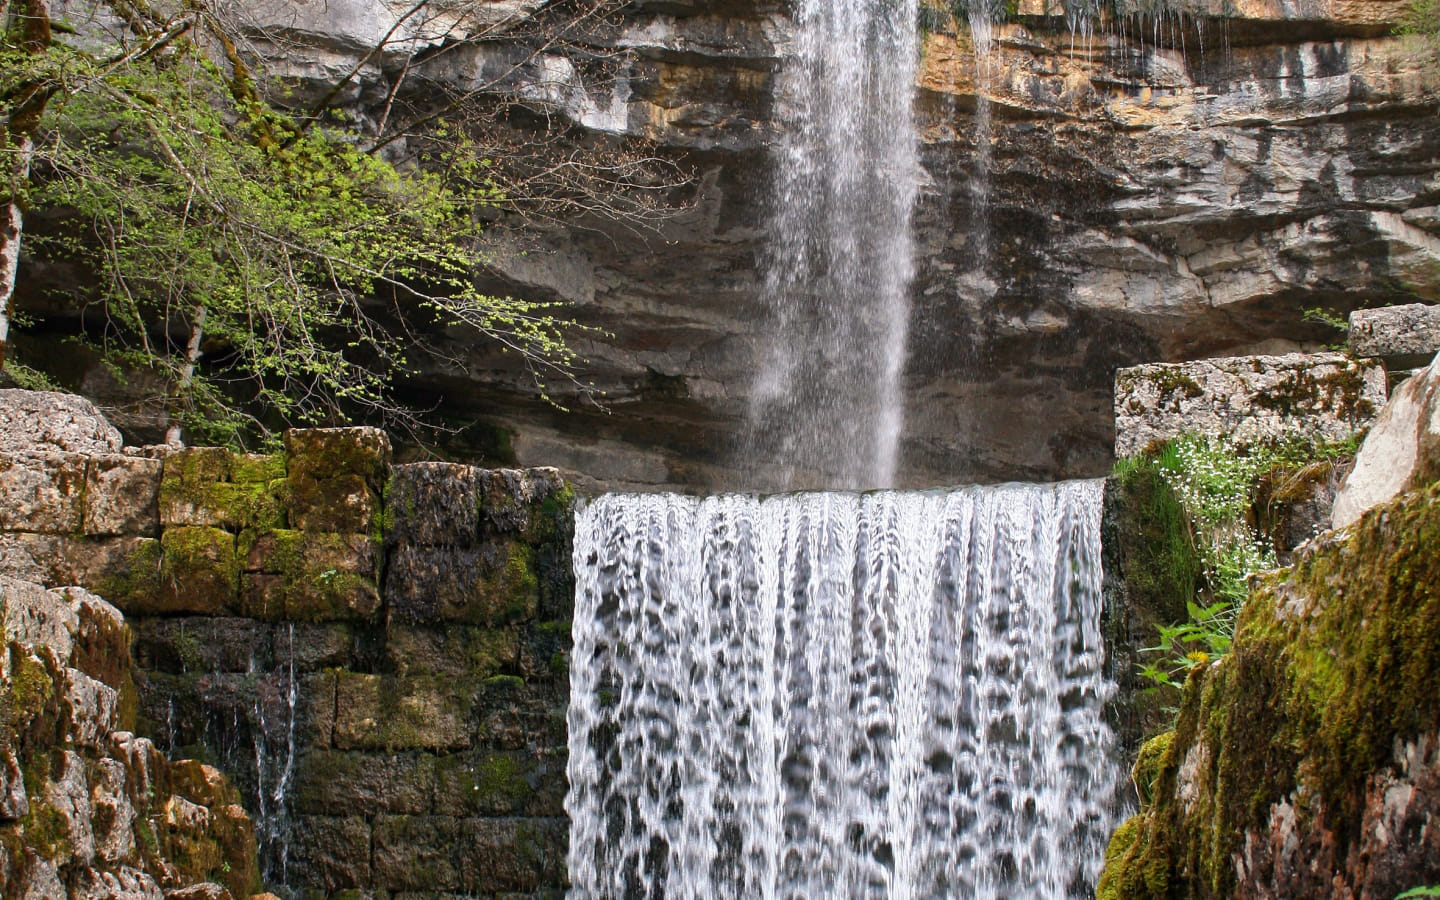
1326, 396
1402, 451
48, 422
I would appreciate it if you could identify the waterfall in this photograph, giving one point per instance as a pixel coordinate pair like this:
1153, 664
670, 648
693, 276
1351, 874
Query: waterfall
839, 695
826, 406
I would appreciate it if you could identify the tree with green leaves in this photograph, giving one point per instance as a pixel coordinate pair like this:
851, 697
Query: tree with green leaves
265, 266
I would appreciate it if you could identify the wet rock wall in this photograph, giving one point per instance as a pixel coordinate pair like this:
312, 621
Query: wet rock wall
1132, 189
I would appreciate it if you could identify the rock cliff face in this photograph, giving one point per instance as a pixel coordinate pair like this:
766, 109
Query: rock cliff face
1136, 190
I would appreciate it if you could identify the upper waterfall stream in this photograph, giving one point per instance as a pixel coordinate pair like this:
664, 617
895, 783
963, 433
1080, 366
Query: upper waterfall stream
837, 695
827, 407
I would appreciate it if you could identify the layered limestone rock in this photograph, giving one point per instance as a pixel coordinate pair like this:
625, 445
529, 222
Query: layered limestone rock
1132, 190
1325, 397
88, 809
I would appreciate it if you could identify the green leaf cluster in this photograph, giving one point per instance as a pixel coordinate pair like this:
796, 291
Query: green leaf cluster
271, 274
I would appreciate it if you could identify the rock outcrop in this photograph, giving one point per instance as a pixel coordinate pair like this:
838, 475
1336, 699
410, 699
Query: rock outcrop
1404, 336
45, 422
88, 810
1306, 763
1401, 452
1325, 397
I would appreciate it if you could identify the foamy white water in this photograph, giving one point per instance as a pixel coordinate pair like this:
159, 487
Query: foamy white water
836, 695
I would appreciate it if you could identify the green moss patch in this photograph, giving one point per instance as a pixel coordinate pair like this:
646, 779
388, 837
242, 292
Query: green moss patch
199, 573
309, 576
1155, 545
483, 784
320, 454
213, 487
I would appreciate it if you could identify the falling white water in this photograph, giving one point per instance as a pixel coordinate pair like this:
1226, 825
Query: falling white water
274, 720
835, 695
827, 407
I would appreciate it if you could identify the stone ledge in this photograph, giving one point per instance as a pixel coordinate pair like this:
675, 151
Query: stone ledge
1406, 337
1326, 396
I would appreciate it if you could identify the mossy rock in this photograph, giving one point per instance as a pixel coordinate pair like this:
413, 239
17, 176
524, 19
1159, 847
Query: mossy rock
1334, 666
463, 653
1151, 571
196, 571
30, 714
493, 585
485, 784
1153, 757
212, 487
346, 503
309, 576
337, 783
1151, 540
319, 454
383, 712
46, 832
198, 465
257, 468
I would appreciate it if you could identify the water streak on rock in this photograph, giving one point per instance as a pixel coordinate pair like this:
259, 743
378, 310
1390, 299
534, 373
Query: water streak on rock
839, 695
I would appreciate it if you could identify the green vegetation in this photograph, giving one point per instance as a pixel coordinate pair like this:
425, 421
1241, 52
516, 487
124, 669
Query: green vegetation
1423, 20
261, 266
1323, 315
1220, 490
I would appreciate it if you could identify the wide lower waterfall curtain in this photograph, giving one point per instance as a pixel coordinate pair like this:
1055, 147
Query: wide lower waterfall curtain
840, 695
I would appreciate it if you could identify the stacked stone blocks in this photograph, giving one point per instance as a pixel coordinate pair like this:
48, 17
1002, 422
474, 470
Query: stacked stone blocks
392, 639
